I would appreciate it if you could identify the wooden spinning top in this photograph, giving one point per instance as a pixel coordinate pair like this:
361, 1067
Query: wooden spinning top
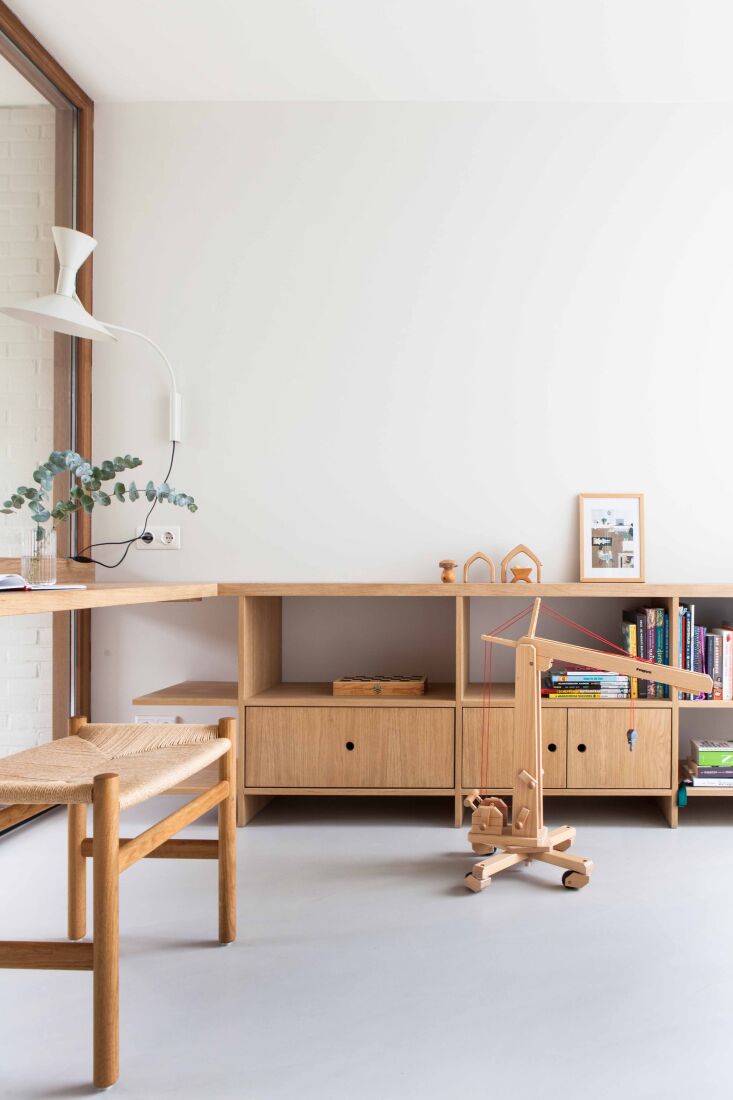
448, 575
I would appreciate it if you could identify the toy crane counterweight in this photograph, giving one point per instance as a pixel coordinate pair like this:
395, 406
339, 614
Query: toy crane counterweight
526, 837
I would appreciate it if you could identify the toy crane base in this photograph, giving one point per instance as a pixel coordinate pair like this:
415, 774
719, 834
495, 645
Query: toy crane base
549, 846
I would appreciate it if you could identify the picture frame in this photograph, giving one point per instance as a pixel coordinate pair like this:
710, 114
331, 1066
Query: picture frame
611, 536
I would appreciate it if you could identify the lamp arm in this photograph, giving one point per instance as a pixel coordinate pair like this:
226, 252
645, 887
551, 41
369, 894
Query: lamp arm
175, 404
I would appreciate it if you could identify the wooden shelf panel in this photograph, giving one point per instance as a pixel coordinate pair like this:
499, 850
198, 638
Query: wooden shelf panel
120, 594
709, 704
375, 792
590, 792
320, 695
192, 693
502, 695
709, 792
623, 591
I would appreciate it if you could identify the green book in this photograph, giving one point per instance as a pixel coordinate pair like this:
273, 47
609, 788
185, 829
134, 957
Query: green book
712, 754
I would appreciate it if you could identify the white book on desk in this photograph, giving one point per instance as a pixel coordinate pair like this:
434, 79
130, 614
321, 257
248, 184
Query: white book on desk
13, 582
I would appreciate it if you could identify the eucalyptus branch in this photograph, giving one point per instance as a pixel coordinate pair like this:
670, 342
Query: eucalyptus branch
86, 488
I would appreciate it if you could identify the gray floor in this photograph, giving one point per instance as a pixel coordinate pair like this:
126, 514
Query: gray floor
364, 969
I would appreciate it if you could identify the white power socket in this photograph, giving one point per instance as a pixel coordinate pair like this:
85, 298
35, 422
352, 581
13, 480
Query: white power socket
162, 538
155, 720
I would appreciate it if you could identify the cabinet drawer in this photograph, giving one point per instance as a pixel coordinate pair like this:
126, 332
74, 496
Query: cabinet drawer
501, 747
349, 747
598, 749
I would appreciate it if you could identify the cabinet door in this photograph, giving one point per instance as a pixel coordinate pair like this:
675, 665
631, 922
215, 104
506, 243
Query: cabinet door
599, 754
383, 747
501, 747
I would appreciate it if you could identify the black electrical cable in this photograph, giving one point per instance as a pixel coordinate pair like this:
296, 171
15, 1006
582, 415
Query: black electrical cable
127, 543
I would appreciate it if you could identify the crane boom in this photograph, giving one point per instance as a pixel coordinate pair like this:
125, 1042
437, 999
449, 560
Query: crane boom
680, 678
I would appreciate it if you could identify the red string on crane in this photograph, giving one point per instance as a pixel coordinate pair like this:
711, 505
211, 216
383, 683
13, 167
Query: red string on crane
486, 697
558, 616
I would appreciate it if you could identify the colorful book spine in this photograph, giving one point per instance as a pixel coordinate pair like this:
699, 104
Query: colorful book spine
698, 650
651, 647
642, 650
703, 771
628, 634
681, 621
696, 781
689, 641
726, 637
581, 677
717, 665
587, 695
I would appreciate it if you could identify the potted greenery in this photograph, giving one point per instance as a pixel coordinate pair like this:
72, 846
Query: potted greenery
85, 494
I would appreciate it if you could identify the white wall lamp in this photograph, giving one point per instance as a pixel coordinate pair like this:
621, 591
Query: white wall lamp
63, 312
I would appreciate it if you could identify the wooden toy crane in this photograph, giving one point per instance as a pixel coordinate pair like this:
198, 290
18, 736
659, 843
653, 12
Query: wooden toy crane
526, 837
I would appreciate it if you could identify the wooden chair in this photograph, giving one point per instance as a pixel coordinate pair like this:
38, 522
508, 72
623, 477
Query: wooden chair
114, 767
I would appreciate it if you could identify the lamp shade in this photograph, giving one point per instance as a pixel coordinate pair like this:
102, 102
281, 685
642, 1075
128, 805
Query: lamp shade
62, 311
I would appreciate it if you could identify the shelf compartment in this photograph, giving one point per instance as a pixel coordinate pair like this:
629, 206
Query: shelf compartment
338, 747
192, 693
320, 695
502, 695
499, 764
706, 792
710, 704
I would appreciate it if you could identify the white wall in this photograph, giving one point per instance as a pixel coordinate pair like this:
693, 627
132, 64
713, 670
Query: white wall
405, 332
27, 139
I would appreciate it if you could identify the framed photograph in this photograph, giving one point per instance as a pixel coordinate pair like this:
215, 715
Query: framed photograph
611, 536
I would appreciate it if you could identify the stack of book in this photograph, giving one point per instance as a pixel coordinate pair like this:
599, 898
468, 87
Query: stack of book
706, 649
710, 764
577, 682
645, 634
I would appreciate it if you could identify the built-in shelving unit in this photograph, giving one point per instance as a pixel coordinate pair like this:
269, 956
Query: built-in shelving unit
297, 738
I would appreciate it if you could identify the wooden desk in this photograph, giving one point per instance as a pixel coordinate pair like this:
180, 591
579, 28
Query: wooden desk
101, 595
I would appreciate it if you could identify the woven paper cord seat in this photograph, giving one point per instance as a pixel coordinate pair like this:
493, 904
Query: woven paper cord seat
148, 759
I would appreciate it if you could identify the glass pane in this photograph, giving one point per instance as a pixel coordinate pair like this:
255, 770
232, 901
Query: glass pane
36, 192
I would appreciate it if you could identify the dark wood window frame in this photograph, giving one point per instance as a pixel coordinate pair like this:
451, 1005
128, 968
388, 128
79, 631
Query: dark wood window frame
72, 644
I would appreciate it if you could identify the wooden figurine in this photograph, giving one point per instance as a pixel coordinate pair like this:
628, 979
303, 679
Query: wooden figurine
520, 572
479, 556
448, 576
526, 837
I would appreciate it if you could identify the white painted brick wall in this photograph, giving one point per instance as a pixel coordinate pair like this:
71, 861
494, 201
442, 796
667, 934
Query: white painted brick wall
26, 400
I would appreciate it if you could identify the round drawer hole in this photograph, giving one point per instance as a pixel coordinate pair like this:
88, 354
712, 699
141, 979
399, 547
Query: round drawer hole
350, 746
552, 747
581, 748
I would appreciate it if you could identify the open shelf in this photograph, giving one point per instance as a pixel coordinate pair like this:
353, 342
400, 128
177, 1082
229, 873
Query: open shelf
711, 704
502, 695
321, 695
192, 693
708, 792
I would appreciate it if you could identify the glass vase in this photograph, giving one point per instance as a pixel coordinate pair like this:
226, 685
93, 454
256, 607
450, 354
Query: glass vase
38, 556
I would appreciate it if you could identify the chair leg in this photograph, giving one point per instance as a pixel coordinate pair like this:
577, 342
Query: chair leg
77, 831
227, 839
105, 848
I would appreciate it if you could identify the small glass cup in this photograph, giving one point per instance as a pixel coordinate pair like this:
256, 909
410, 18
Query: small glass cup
38, 555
